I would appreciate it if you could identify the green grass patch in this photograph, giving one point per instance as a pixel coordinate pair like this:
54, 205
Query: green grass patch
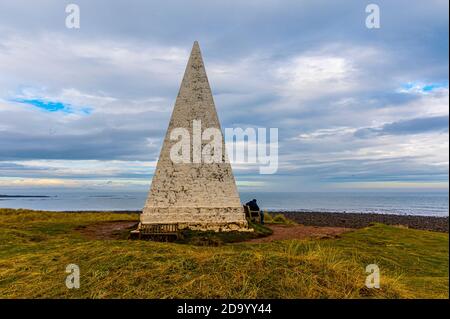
36, 247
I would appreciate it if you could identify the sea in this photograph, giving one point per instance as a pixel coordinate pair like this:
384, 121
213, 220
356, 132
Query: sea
403, 203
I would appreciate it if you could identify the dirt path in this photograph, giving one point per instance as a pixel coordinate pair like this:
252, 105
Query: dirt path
281, 232
119, 230
108, 230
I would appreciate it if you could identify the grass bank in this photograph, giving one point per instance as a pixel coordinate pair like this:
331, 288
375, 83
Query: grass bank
36, 247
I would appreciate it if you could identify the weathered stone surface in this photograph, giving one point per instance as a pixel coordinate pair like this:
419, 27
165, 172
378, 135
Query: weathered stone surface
198, 196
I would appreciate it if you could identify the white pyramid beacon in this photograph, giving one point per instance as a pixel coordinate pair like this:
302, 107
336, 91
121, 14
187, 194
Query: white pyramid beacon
194, 195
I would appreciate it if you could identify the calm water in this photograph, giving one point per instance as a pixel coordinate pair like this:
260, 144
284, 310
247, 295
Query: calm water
415, 203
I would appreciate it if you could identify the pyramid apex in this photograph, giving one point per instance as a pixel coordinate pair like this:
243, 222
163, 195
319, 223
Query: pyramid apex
195, 58
195, 47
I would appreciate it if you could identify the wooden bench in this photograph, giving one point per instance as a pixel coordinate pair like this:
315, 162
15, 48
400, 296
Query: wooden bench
159, 232
253, 215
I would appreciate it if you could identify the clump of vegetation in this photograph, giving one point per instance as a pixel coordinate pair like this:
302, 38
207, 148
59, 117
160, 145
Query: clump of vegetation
36, 247
270, 218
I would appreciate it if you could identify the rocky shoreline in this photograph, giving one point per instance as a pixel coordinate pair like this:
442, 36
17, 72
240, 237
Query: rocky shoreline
359, 220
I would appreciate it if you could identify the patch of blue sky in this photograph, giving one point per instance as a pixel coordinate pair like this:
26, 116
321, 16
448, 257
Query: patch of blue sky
434, 86
52, 106
424, 88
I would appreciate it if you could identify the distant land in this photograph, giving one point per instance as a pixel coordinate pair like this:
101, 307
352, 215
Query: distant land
24, 196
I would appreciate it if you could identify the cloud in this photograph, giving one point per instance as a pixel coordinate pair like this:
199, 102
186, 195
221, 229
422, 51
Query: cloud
412, 126
307, 76
73, 136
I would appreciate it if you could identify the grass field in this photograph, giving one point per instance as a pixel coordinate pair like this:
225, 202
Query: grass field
36, 247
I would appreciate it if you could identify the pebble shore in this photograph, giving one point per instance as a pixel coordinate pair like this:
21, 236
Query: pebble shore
356, 220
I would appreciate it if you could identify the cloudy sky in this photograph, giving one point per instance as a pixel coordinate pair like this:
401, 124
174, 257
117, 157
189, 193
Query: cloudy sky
356, 108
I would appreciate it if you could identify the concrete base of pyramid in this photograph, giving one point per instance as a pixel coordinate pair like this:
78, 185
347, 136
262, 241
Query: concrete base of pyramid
198, 218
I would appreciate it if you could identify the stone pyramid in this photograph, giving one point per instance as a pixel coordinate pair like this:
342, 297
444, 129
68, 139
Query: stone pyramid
194, 195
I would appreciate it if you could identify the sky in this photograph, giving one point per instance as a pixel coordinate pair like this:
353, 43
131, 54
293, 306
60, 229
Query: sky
356, 108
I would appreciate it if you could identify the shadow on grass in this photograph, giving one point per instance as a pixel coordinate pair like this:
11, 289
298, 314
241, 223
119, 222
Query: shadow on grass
211, 238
